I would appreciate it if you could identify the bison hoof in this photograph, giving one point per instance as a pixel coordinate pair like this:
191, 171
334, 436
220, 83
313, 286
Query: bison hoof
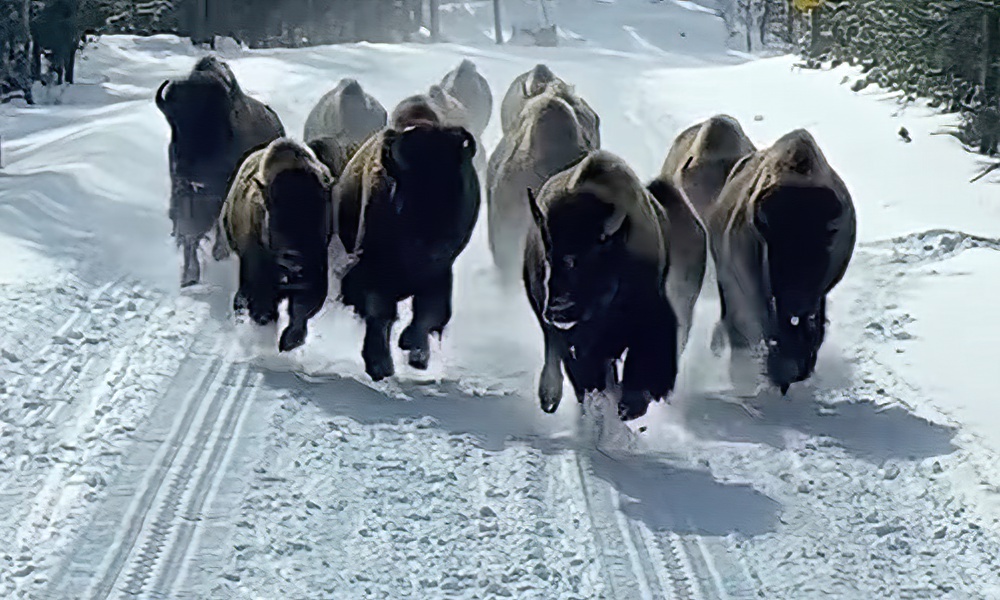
188, 280
263, 318
379, 369
784, 388
410, 339
632, 405
419, 357
550, 393
291, 338
220, 252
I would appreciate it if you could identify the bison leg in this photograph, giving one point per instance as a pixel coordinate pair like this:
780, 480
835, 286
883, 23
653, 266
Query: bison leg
301, 307
651, 365
550, 384
431, 313
379, 313
220, 247
192, 268
258, 289
719, 332
589, 374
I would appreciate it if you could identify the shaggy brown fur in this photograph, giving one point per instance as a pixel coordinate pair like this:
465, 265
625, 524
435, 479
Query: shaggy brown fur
596, 267
347, 113
547, 140
782, 233
534, 83
405, 207
277, 220
703, 155
214, 125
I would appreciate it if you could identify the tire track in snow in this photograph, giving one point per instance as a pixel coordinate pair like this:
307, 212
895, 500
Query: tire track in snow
142, 533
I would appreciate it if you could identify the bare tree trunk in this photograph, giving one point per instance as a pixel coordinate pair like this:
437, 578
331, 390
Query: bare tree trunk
497, 27
991, 76
435, 21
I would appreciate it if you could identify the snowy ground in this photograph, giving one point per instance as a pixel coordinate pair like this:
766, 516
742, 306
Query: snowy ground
149, 449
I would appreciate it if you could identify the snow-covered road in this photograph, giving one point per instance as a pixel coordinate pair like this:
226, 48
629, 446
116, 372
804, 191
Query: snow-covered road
148, 448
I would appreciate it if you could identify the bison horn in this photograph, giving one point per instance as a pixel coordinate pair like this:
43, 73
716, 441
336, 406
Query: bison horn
615, 222
160, 100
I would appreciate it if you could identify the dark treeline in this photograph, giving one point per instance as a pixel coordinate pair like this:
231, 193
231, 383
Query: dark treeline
39, 38
947, 51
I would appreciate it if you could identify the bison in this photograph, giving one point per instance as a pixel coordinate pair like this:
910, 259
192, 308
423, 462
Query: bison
469, 87
533, 83
346, 113
595, 271
782, 233
703, 156
405, 207
213, 126
688, 254
547, 139
277, 218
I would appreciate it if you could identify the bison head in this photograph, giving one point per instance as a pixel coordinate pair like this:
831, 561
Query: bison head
434, 184
556, 136
798, 226
584, 239
702, 181
198, 111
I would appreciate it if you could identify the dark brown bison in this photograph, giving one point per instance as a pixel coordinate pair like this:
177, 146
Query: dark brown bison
469, 87
547, 139
406, 206
703, 156
595, 270
782, 233
533, 83
277, 218
213, 126
346, 113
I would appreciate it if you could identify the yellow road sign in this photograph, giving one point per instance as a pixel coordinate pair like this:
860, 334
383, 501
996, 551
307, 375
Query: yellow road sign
807, 5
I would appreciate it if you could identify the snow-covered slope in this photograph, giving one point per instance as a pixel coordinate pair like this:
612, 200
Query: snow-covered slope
150, 449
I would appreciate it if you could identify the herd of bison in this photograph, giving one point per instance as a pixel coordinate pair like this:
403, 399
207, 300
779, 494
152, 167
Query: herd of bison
611, 266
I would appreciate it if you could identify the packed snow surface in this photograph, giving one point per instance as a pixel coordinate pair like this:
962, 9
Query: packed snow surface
150, 447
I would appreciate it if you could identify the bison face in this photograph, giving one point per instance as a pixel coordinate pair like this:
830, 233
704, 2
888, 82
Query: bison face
797, 226
797, 326
556, 137
584, 239
201, 134
434, 181
298, 222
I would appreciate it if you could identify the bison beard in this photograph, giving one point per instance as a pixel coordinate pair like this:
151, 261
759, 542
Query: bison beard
407, 235
596, 297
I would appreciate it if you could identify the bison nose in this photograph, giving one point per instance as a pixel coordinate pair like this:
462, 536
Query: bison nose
558, 312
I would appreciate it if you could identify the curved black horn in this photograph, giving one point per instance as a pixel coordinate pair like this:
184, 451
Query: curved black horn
160, 101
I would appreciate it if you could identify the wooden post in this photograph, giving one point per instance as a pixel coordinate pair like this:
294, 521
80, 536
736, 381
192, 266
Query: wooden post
497, 28
815, 23
991, 75
435, 21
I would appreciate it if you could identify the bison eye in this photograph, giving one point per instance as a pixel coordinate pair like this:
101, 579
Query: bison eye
569, 261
